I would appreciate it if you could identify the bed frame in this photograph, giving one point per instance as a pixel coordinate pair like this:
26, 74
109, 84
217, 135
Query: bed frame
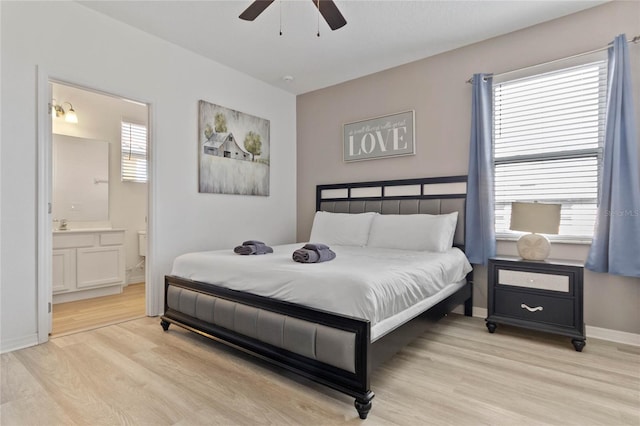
331, 349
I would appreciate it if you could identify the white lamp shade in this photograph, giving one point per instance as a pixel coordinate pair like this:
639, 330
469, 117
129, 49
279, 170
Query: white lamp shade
541, 218
71, 116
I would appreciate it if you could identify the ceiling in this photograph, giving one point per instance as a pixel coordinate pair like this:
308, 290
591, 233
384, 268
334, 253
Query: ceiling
378, 35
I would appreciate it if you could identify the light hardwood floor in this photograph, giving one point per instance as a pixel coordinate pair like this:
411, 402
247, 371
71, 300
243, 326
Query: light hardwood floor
88, 314
455, 374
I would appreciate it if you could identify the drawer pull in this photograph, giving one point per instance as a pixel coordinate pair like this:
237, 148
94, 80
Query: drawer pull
530, 309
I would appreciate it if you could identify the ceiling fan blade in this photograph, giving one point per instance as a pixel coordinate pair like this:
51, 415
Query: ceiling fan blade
330, 13
255, 9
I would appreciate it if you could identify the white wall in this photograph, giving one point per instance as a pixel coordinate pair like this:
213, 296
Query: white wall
100, 117
119, 59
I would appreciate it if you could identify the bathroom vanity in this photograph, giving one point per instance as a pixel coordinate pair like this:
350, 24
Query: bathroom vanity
87, 263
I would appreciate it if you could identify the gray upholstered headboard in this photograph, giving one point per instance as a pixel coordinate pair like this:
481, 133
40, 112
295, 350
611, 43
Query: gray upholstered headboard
438, 195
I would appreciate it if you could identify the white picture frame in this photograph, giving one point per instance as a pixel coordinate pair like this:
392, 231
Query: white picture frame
386, 136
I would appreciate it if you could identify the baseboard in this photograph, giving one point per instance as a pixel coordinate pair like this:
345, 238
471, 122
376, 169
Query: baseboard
87, 294
14, 344
134, 279
613, 335
477, 312
591, 331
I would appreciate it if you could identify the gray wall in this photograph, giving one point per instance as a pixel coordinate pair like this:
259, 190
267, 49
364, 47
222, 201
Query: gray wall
435, 88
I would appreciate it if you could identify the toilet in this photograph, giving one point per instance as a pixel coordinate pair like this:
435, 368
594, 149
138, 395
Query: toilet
142, 243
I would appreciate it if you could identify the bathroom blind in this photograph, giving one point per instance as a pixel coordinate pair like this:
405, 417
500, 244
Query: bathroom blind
548, 137
134, 152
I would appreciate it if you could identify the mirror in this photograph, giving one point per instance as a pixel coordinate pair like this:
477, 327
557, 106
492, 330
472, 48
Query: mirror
80, 179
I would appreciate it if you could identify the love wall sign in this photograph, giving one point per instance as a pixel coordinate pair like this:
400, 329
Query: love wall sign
380, 137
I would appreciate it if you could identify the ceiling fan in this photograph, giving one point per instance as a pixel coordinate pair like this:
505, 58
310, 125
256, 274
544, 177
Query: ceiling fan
327, 8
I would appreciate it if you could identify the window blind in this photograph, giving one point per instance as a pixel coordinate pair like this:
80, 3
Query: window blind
548, 135
134, 152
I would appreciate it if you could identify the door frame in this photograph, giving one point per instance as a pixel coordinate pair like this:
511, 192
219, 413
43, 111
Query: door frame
44, 229
44, 225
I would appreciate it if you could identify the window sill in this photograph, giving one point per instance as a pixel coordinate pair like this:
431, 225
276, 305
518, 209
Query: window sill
568, 240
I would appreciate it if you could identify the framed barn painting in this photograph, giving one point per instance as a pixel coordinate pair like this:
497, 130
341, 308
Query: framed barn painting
233, 151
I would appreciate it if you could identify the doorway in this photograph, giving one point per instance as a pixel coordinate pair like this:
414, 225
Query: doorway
98, 216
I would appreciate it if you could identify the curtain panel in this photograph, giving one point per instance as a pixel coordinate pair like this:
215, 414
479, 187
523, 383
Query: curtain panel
616, 242
480, 241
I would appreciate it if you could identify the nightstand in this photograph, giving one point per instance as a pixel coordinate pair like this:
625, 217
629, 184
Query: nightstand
539, 295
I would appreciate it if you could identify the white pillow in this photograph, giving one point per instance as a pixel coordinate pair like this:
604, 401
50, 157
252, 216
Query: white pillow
413, 231
341, 228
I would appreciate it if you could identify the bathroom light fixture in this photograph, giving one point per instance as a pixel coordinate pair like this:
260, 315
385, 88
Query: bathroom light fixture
56, 109
70, 115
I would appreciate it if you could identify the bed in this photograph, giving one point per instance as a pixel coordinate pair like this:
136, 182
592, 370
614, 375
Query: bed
284, 316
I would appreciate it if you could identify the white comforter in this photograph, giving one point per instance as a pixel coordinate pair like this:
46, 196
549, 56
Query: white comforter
363, 282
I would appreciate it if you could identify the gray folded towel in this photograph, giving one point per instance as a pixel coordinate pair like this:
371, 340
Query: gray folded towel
252, 247
321, 253
316, 246
305, 256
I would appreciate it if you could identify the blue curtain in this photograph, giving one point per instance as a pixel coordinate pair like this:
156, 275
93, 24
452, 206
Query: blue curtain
480, 242
616, 242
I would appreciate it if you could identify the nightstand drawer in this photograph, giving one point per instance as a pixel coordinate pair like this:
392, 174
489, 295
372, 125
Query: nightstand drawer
534, 307
534, 280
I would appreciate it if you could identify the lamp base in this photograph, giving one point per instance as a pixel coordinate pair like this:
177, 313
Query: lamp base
534, 247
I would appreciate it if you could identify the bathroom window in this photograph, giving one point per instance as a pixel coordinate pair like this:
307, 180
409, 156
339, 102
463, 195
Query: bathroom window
134, 152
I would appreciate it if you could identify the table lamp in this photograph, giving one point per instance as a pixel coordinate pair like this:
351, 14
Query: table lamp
536, 218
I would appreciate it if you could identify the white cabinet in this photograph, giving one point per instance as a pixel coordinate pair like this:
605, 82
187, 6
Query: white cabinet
99, 266
87, 263
64, 269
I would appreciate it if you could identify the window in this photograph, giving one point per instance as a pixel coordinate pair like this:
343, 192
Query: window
134, 152
548, 135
